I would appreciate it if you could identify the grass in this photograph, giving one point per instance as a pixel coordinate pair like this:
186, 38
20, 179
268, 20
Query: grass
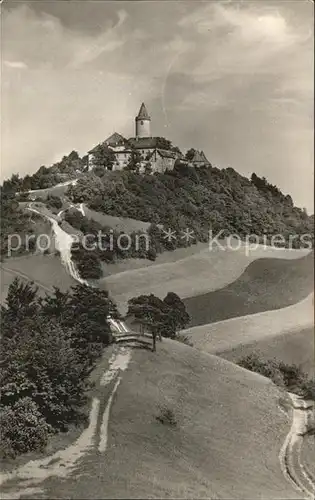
46, 271
225, 443
54, 190
266, 284
226, 335
120, 223
296, 347
194, 274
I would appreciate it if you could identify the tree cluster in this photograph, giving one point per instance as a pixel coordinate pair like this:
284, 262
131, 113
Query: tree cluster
13, 220
109, 245
159, 317
288, 377
103, 159
198, 198
45, 177
49, 347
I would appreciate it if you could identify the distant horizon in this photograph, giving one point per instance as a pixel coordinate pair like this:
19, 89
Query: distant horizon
234, 79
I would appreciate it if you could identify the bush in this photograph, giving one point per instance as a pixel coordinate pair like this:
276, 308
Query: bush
266, 368
53, 201
308, 389
151, 254
22, 428
289, 377
49, 346
167, 416
87, 262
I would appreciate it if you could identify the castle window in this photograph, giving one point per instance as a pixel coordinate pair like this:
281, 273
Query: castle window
141, 122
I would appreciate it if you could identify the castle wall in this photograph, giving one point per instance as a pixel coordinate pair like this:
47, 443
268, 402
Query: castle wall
143, 128
161, 164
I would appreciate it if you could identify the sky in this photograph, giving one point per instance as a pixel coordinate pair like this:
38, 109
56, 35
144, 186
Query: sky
233, 78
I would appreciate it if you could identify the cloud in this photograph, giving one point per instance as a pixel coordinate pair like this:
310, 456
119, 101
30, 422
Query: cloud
51, 44
231, 78
15, 64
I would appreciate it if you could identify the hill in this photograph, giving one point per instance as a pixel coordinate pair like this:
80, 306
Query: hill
221, 411
266, 284
198, 199
294, 347
224, 336
194, 275
127, 225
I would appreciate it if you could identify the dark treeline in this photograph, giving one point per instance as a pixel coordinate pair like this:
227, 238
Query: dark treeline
200, 198
49, 347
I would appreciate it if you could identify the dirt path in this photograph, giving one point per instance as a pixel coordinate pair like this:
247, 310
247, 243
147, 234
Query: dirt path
28, 480
290, 455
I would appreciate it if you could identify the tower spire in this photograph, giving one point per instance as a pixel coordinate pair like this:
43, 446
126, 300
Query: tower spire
143, 113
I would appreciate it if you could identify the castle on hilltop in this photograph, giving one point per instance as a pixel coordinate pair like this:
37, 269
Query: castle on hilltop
156, 152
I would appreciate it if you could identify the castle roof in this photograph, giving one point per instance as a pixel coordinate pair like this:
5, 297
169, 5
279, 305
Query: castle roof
199, 157
143, 113
166, 153
113, 140
143, 142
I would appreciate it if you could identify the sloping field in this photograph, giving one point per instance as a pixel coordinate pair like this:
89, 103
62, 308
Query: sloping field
58, 190
196, 274
224, 336
120, 223
45, 270
295, 347
226, 442
266, 284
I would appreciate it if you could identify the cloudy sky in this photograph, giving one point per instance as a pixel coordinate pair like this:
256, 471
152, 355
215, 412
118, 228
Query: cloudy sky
234, 78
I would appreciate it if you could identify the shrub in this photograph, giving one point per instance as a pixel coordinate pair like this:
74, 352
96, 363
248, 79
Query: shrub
166, 416
308, 389
267, 368
87, 261
49, 346
151, 254
53, 201
283, 375
22, 428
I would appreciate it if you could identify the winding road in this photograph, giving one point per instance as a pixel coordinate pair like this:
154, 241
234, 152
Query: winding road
290, 455
29, 480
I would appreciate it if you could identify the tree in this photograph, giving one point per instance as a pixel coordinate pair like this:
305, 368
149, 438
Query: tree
13, 184
176, 150
103, 156
148, 168
53, 201
190, 154
148, 312
162, 143
21, 301
49, 347
133, 164
87, 261
160, 317
178, 318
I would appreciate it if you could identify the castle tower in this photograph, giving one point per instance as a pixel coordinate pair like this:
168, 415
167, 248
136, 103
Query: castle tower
143, 123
